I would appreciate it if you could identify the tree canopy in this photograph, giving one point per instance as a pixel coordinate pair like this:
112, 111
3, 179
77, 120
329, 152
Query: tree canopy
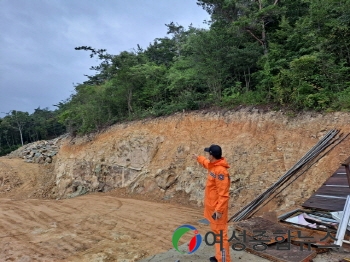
291, 53
18, 128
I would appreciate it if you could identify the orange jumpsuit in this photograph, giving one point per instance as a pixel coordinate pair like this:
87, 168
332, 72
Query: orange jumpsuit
216, 199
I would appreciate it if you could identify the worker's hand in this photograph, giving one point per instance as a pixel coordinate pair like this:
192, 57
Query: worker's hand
218, 215
195, 156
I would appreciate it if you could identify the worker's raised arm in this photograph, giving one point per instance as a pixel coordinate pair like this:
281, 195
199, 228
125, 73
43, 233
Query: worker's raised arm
203, 161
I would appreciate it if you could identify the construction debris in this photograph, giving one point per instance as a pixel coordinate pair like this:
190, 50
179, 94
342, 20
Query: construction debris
314, 220
343, 223
310, 158
254, 225
331, 196
300, 234
338, 216
272, 241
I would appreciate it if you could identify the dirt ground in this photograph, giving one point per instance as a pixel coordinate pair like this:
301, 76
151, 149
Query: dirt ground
94, 227
35, 226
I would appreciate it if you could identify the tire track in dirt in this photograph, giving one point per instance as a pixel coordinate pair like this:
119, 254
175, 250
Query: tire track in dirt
87, 228
30, 220
94, 227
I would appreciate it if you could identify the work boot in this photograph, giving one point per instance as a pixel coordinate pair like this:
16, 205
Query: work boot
213, 259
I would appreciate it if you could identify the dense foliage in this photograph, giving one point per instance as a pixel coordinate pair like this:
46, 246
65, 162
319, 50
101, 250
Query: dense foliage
18, 128
291, 53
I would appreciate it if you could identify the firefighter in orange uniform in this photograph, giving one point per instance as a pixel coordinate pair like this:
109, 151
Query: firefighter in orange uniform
216, 199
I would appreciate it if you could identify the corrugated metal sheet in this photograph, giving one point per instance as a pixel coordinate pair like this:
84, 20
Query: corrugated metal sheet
332, 194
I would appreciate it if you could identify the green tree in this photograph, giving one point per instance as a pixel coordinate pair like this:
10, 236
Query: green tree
18, 120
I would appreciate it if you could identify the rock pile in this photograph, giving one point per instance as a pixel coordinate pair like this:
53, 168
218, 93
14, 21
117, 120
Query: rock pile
38, 152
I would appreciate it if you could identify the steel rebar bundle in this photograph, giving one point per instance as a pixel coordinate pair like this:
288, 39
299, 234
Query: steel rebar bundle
321, 145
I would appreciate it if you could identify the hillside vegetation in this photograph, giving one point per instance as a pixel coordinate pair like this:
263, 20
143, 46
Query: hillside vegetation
293, 54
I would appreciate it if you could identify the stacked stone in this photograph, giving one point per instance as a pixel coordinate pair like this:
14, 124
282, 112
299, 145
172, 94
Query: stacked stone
38, 152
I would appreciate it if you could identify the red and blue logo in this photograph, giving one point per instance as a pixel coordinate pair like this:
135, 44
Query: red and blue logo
194, 243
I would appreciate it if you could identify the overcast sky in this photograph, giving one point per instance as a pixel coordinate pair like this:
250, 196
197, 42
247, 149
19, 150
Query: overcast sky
39, 65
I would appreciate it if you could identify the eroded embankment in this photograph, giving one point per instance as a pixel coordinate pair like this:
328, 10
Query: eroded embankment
155, 155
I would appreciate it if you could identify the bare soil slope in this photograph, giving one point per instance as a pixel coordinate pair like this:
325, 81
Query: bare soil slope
154, 156
22, 180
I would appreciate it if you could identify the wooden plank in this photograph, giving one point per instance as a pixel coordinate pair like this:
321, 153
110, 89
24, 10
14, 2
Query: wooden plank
255, 225
273, 254
315, 237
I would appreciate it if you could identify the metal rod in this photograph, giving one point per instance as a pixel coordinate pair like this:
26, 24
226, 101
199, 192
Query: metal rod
311, 154
337, 185
335, 142
343, 223
326, 196
305, 168
324, 218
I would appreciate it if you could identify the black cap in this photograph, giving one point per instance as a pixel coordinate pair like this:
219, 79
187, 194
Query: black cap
214, 150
